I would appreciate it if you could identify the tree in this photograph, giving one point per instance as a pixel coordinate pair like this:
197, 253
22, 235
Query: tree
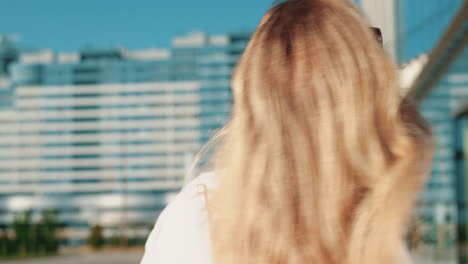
47, 240
22, 226
5, 243
96, 238
31, 238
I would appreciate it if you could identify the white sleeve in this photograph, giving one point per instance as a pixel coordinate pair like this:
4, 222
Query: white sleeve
153, 240
405, 255
180, 234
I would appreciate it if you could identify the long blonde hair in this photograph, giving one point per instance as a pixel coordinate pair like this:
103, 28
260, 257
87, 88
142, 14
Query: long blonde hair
323, 159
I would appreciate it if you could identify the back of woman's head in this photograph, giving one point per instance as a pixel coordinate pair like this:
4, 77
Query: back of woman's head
322, 160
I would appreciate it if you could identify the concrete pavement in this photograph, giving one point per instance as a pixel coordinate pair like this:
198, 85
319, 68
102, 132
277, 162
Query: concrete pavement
93, 258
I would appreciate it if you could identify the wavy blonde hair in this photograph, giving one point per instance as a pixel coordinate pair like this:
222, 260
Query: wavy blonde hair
323, 159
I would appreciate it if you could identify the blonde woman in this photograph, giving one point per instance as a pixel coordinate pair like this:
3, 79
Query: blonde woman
322, 160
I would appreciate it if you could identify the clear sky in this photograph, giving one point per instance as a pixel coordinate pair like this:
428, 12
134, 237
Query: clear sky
67, 25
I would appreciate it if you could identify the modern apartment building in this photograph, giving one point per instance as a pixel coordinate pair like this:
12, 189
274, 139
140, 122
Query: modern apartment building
428, 39
106, 135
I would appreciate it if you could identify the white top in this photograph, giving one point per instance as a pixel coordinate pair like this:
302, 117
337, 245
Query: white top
181, 236
181, 231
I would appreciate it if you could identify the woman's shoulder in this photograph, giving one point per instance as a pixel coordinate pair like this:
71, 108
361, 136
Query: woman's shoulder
191, 200
192, 196
204, 181
182, 226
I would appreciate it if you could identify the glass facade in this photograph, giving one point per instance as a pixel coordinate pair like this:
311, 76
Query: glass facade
107, 135
437, 27
8, 53
420, 25
461, 179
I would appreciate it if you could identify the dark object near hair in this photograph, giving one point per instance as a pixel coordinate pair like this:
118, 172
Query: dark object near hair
378, 35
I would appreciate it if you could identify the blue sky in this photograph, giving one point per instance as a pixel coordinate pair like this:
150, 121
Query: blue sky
67, 25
